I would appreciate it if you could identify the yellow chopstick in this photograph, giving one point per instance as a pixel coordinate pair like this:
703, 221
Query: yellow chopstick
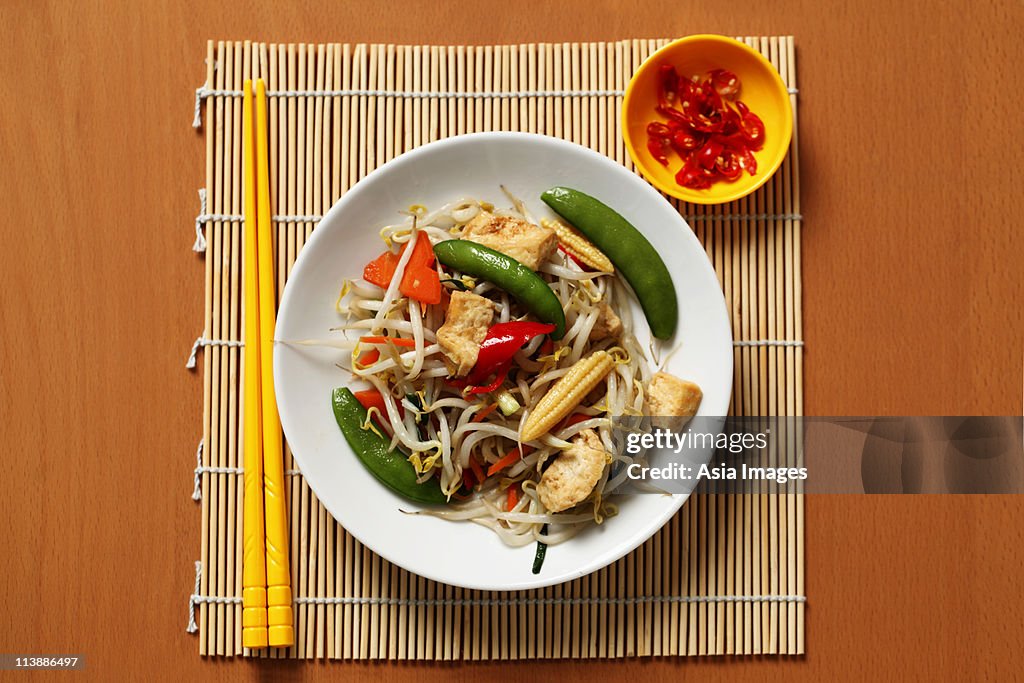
254, 567
279, 588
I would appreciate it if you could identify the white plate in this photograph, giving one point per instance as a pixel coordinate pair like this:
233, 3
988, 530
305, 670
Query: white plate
463, 553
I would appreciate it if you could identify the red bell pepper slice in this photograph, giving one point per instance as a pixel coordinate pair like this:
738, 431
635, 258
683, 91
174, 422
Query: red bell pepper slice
502, 342
500, 373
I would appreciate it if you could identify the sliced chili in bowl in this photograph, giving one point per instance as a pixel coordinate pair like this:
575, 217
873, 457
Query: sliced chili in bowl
714, 133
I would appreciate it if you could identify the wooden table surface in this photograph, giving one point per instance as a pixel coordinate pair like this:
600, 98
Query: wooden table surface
910, 151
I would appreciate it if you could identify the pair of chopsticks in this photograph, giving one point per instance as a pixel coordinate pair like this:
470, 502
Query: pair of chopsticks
266, 581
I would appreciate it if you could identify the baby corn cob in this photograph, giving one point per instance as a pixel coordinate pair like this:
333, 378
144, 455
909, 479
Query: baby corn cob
567, 393
579, 246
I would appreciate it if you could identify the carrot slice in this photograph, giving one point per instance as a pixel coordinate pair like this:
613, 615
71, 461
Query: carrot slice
422, 252
482, 415
397, 341
371, 398
420, 280
380, 270
421, 283
513, 498
508, 460
369, 358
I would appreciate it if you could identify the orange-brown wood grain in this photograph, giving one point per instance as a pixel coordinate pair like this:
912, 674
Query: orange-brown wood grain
912, 305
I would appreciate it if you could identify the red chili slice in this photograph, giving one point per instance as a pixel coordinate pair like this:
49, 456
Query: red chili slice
658, 129
667, 84
725, 82
690, 176
687, 141
656, 146
727, 166
753, 129
746, 161
708, 153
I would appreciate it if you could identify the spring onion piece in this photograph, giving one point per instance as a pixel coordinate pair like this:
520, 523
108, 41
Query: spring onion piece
507, 403
542, 551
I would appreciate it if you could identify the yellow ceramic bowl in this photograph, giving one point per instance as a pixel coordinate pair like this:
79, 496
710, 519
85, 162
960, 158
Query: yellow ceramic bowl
762, 90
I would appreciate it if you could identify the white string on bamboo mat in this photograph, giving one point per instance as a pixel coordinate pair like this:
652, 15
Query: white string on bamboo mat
744, 217
201, 469
316, 218
203, 92
769, 342
191, 627
202, 218
203, 342
543, 602
197, 599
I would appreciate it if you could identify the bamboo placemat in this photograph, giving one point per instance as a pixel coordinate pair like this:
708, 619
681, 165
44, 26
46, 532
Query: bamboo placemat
724, 576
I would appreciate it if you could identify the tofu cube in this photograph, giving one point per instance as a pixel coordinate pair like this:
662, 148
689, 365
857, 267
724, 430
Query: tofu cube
608, 324
670, 397
466, 323
527, 243
574, 474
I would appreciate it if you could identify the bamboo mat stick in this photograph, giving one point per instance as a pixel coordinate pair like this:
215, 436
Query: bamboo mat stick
386, 134
325, 582
335, 542
272, 66
232, 168
793, 191
347, 163
788, 611
321, 166
232, 497
276, 69
216, 642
